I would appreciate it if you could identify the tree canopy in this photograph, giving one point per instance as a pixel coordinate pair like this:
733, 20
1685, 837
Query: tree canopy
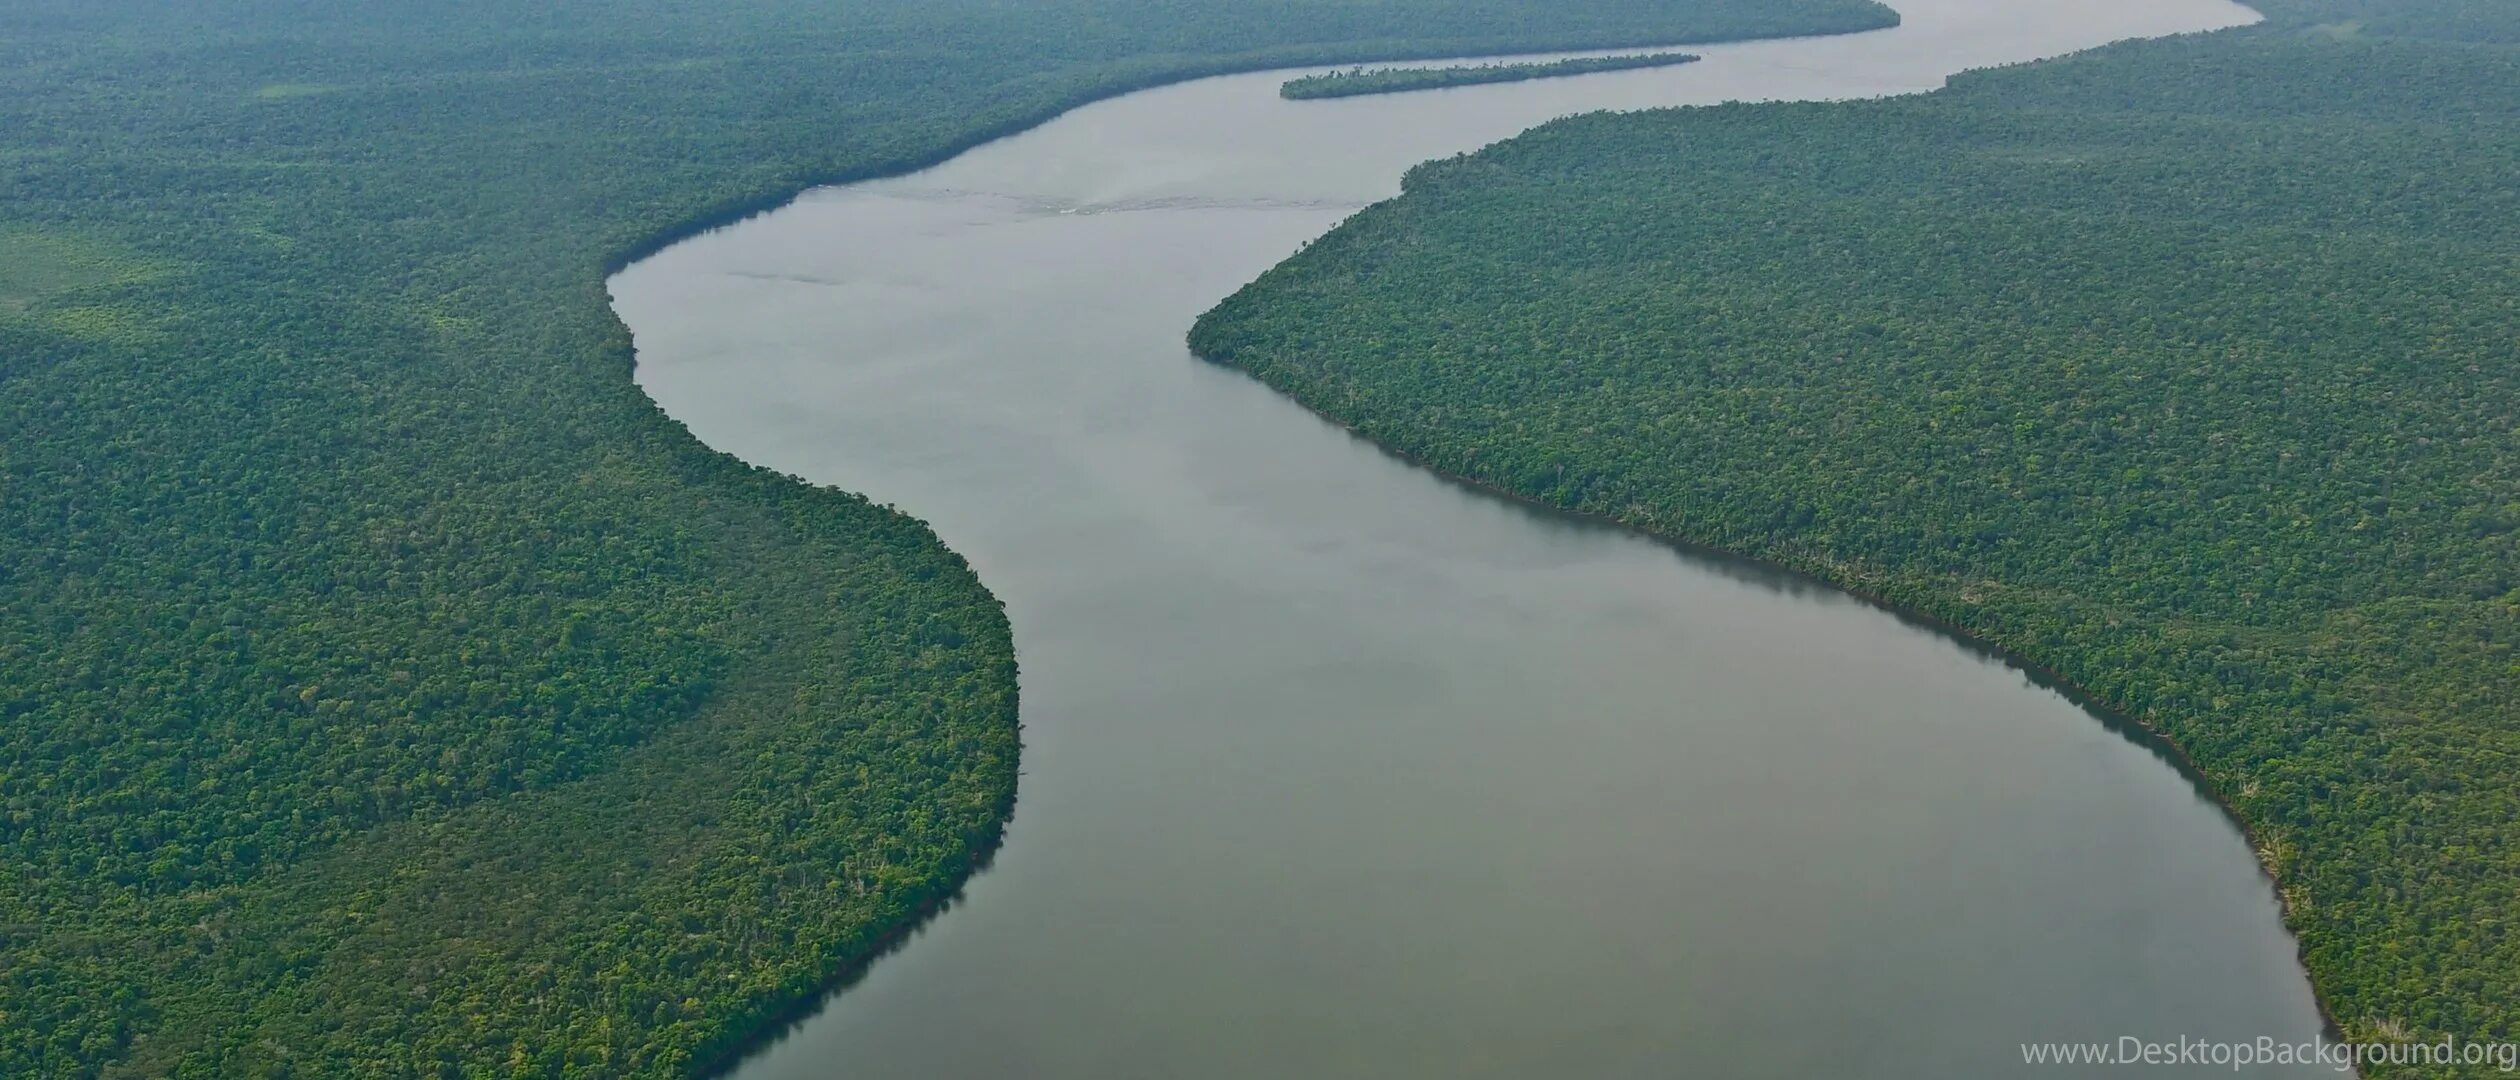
2184, 369
386, 687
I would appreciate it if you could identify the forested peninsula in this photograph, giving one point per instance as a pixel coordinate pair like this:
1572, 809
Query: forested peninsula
2183, 369
387, 688
1358, 82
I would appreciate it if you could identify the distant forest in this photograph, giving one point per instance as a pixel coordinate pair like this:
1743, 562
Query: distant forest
2183, 368
386, 687
1357, 82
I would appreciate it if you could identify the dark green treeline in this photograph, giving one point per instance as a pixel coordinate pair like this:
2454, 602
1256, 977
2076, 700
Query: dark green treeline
2184, 368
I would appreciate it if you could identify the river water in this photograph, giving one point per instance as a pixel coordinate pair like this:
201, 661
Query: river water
1333, 768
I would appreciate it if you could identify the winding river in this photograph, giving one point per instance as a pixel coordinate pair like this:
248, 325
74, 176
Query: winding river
1336, 769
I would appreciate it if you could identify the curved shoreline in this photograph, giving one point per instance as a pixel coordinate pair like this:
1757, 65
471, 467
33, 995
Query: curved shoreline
2108, 713
781, 1018
740, 210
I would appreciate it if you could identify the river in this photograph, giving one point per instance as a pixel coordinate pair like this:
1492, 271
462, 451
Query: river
1333, 768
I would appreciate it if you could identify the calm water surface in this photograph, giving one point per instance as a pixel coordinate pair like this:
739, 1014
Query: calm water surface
1335, 769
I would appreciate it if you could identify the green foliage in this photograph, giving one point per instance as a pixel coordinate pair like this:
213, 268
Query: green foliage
2182, 368
1357, 82
386, 687
37, 266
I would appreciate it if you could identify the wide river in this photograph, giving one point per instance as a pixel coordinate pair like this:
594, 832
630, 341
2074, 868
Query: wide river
1333, 768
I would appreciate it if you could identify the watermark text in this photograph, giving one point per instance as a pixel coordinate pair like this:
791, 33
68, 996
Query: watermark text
2266, 1051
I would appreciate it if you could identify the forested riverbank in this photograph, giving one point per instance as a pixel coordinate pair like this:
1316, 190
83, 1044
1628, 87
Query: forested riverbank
388, 687
2182, 368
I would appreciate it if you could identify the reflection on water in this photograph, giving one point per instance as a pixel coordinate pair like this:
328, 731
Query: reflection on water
1333, 768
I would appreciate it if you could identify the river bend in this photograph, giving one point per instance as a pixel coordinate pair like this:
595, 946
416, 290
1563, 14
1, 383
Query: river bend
1335, 769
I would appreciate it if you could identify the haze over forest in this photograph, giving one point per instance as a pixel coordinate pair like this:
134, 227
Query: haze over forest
389, 687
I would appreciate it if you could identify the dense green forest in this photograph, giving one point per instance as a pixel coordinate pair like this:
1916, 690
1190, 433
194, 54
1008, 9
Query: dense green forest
386, 687
1357, 82
2183, 368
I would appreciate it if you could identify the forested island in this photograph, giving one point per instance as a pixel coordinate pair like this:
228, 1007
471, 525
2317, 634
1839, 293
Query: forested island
1357, 82
386, 687
2183, 369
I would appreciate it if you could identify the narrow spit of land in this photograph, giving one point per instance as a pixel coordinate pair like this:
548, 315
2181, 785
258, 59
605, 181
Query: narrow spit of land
1359, 81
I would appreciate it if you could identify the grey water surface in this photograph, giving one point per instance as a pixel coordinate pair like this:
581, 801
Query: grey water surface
1335, 769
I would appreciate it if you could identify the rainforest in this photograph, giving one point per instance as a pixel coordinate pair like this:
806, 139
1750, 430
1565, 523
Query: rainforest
2181, 369
386, 687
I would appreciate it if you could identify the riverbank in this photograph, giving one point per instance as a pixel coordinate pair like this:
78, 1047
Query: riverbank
1865, 587
1948, 369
